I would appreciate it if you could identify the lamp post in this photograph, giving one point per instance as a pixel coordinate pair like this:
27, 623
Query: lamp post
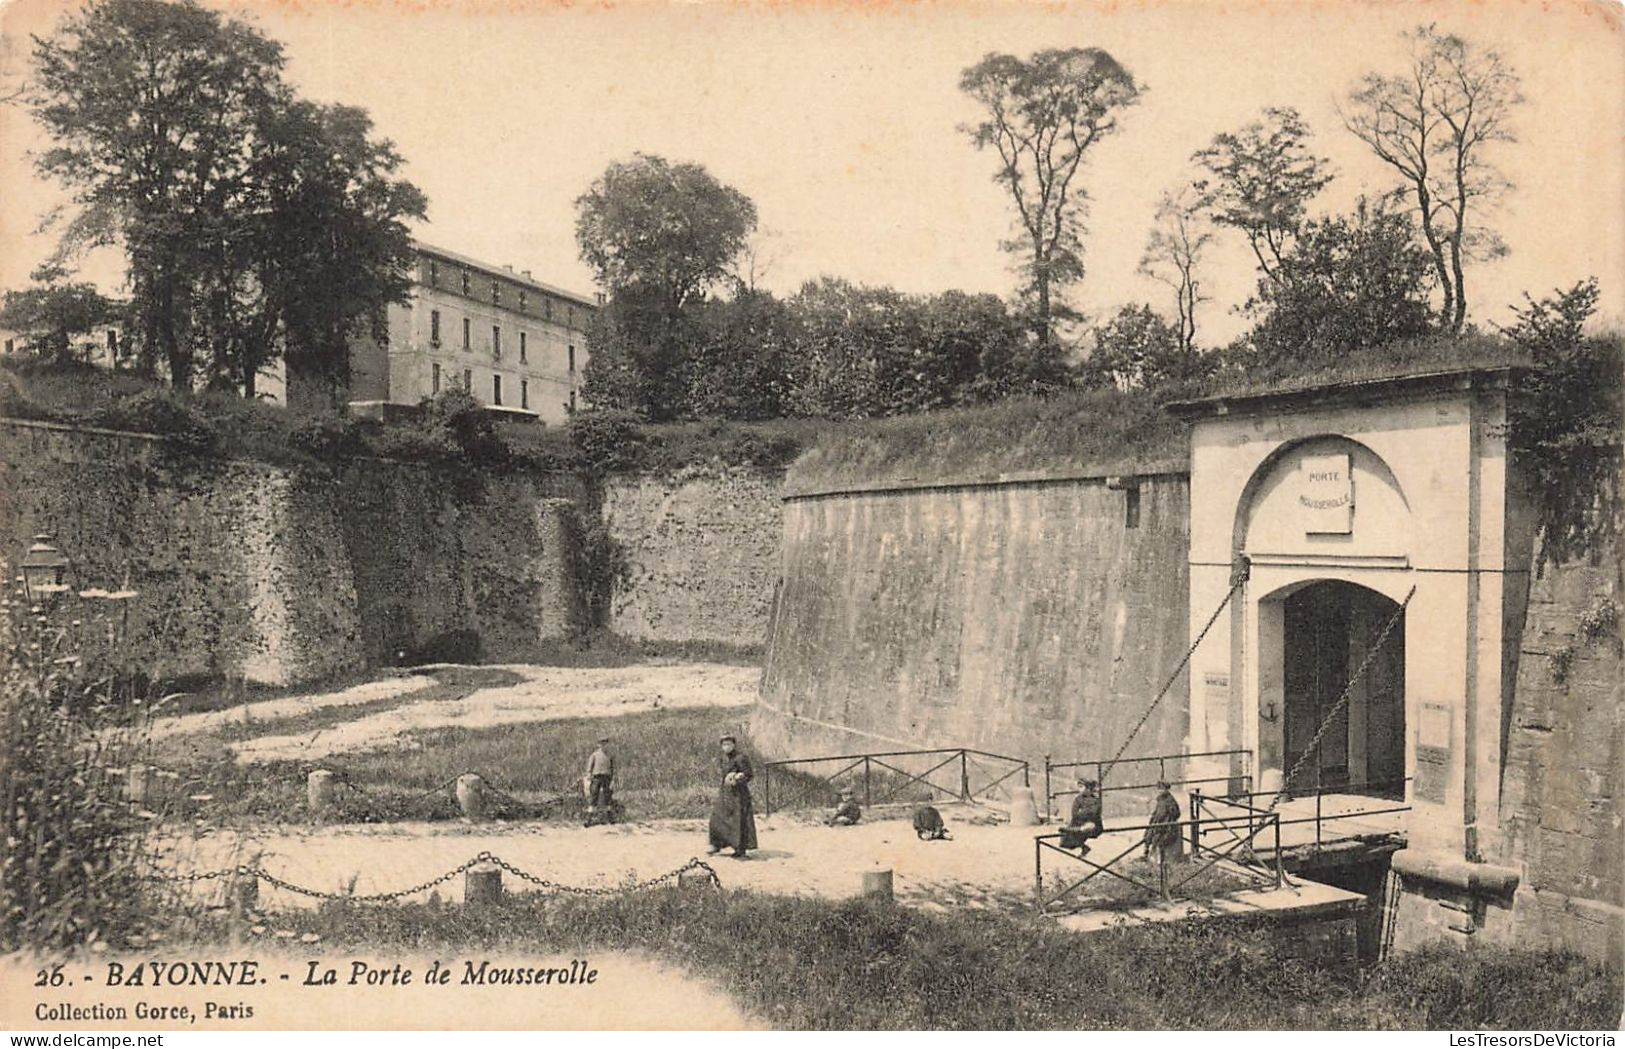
45, 571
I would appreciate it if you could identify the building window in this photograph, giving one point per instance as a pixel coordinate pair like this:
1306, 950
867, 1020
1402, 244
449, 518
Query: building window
468, 379
434, 378
434, 327
496, 293
1131, 508
434, 274
521, 347
465, 282
572, 402
112, 344
572, 321
547, 309
496, 341
496, 389
522, 300
11, 345
524, 393
572, 358
468, 334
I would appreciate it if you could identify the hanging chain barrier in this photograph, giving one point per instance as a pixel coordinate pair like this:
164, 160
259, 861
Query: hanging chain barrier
1342, 701
1238, 579
543, 884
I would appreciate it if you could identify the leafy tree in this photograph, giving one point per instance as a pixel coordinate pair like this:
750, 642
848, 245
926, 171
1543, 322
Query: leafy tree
1432, 124
1041, 116
1139, 348
660, 234
255, 223
1260, 179
1567, 417
846, 333
53, 315
150, 103
1173, 251
331, 247
1358, 282
739, 361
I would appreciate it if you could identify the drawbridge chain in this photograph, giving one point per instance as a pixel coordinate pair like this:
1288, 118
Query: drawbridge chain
1342, 701
1237, 581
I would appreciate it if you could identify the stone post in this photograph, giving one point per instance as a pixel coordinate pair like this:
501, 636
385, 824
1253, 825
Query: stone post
878, 884
471, 795
321, 790
482, 884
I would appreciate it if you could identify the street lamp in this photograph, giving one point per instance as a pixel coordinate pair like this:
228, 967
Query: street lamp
45, 571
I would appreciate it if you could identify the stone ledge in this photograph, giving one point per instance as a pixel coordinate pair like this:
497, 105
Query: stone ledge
1482, 879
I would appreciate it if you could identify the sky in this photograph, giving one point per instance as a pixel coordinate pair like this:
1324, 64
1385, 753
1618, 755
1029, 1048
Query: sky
843, 122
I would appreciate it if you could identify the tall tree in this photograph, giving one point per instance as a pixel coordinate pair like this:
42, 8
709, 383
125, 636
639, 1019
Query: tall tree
1358, 282
150, 103
1041, 117
1433, 125
662, 233
1260, 179
331, 247
1173, 250
1138, 348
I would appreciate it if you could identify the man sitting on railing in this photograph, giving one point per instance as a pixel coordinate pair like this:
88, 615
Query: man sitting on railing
846, 811
1086, 818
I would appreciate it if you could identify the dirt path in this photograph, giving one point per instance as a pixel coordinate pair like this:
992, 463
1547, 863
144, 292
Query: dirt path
543, 694
987, 862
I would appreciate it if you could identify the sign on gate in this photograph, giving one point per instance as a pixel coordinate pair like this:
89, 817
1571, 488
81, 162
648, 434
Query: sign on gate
1326, 494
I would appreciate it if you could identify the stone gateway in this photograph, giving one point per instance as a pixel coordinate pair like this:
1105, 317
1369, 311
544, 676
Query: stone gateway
1387, 636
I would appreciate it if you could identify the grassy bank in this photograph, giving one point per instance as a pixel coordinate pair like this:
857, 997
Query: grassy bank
666, 763
801, 963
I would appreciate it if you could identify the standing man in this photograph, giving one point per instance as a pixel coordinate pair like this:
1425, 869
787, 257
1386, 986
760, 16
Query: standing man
600, 774
733, 818
1162, 833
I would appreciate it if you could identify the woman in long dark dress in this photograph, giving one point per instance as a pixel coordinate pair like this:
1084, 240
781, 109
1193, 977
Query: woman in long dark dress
733, 818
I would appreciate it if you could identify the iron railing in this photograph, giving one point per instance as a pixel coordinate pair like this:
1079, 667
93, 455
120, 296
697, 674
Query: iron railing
862, 771
1238, 856
1321, 818
1241, 781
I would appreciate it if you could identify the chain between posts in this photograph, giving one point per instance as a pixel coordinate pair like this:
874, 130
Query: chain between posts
247, 870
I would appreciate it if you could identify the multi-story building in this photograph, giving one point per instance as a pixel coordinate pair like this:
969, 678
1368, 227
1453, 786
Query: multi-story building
516, 344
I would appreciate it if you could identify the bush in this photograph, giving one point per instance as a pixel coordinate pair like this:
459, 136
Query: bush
608, 441
327, 437
69, 871
456, 416
167, 414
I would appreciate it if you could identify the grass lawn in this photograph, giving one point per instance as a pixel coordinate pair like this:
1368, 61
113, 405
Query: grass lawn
666, 764
803, 963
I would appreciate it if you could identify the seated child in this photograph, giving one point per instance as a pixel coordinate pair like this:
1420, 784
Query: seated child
846, 812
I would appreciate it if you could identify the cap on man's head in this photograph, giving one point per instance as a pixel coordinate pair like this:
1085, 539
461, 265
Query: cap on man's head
1086, 782
846, 792
727, 739
603, 739
1162, 784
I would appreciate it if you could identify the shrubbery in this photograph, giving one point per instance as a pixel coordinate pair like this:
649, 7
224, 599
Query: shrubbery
69, 869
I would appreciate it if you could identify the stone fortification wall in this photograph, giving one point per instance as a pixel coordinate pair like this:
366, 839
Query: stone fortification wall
1022, 618
283, 576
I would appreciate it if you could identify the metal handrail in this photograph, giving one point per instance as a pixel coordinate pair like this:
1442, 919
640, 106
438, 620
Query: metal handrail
1198, 801
1101, 769
868, 760
1258, 871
